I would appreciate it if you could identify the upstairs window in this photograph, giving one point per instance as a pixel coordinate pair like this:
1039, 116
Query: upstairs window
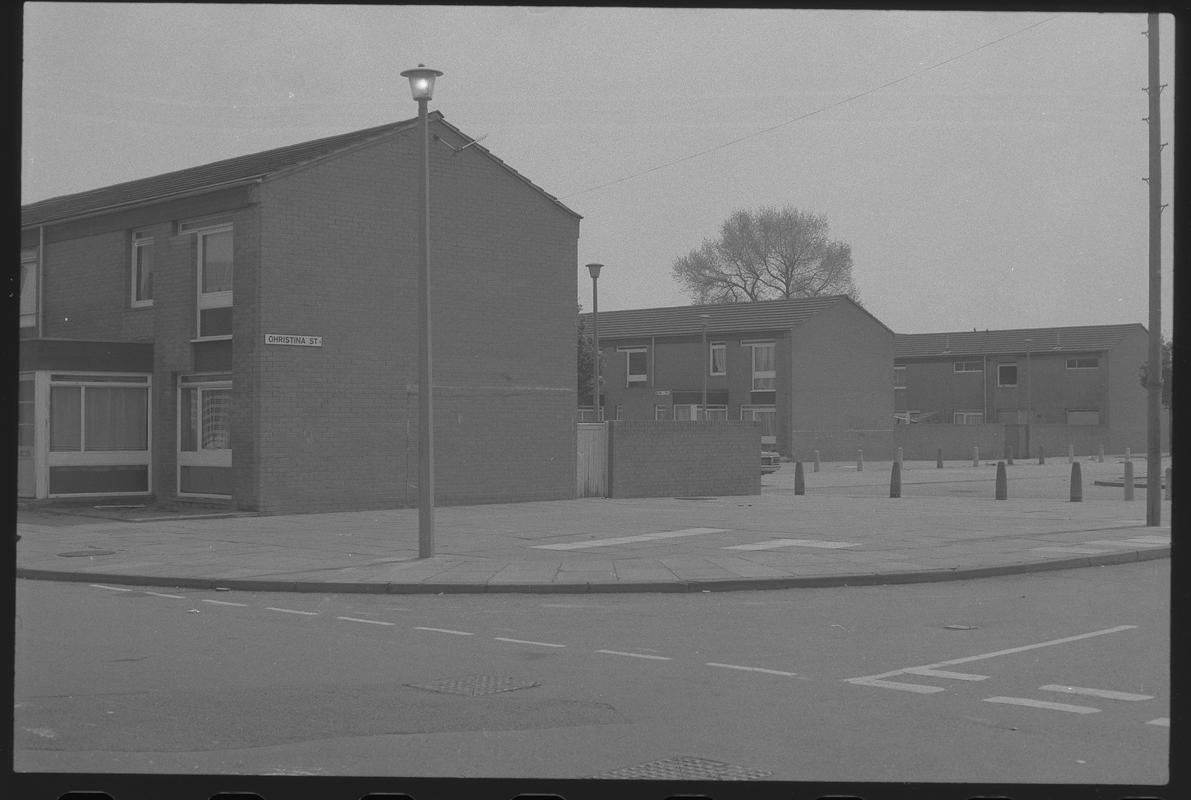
636, 365
968, 366
214, 272
142, 270
1007, 375
764, 366
1083, 363
899, 376
28, 290
719, 359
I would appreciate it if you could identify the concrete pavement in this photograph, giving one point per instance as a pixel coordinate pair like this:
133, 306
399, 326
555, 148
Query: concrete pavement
845, 530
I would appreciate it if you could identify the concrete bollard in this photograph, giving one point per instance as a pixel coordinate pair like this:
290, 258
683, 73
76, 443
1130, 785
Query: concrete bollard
1041, 455
799, 480
899, 455
1168, 483
816, 461
939, 459
895, 480
1076, 482
1128, 480
1070, 454
1100, 457
1128, 454
1002, 481
975, 456
860, 461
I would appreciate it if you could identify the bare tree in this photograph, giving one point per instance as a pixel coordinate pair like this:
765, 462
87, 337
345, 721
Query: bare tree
769, 254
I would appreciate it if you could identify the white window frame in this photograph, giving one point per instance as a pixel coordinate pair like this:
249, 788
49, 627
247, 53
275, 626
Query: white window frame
199, 457
100, 458
967, 366
140, 240
1073, 363
693, 412
749, 412
899, 376
763, 374
722, 349
629, 377
205, 301
967, 417
30, 262
1015, 376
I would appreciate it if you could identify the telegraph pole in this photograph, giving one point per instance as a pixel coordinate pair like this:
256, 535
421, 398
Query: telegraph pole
1154, 370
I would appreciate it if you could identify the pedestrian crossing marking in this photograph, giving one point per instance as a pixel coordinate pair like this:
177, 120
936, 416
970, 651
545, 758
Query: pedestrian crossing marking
1104, 693
775, 543
644, 537
1045, 704
942, 673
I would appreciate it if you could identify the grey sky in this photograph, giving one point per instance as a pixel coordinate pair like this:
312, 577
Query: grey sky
1001, 189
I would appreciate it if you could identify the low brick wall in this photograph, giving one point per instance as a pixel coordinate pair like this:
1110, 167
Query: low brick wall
674, 459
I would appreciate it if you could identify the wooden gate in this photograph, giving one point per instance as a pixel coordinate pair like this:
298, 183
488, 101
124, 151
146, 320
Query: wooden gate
592, 471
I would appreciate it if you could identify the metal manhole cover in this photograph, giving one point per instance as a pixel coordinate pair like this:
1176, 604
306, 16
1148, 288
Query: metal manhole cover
82, 553
475, 685
686, 768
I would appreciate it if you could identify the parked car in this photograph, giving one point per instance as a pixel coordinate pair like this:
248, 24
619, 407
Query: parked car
770, 462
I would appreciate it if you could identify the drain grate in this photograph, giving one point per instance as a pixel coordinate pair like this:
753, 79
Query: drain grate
475, 685
686, 768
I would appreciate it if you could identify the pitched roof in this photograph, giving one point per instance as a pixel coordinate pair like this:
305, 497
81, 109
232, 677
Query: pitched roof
767, 315
1036, 340
227, 172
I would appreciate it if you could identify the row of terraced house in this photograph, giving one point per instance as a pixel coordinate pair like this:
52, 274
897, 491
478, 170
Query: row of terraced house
245, 332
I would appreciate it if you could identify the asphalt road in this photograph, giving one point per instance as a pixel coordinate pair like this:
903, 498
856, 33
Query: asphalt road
1052, 677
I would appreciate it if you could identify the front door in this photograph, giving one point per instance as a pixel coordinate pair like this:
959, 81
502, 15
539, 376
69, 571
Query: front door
204, 436
26, 476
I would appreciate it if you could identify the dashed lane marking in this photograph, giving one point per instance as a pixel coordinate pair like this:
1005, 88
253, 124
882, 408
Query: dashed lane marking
526, 641
369, 621
1107, 694
109, 588
1161, 722
225, 603
1045, 704
292, 611
942, 673
444, 630
753, 669
905, 687
635, 655
644, 537
170, 596
773, 544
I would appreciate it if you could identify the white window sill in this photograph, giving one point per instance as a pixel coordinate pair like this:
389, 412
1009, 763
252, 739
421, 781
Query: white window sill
226, 338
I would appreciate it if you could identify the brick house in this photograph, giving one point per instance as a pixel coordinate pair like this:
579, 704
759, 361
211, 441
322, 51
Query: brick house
794, 366
246, 331
1075, 385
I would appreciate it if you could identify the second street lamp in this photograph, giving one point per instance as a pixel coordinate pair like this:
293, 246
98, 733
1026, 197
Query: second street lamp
594, 271
421, 85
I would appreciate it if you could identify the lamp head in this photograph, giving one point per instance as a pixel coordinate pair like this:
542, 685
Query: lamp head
421, 81
594, 269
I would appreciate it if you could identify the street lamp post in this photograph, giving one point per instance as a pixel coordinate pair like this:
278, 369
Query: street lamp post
1029, 393
594, 270
421, 85
706, 364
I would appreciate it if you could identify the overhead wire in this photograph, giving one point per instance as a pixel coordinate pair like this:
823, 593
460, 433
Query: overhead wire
827, 107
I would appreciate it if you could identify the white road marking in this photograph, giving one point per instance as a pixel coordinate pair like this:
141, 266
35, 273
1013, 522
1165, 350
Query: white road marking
644, 537
225, 603
876, 680
170, 596
292, 611
1150, 539
1076, 550
635, 655
1127, 543
1025, 701
753, 669
775, 543
1162, 722
526, 641
905, 687
444, 630
1105, 693
369, 621
109, 588
942, 673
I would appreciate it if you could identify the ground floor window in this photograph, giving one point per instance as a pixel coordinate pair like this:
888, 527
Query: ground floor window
98, 434
968, 417
767, 416
691, 412
205, 435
